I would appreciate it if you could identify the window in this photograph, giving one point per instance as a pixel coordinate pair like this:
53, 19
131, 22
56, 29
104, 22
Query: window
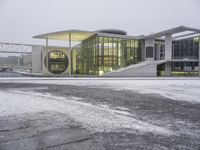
57, 62
149, 52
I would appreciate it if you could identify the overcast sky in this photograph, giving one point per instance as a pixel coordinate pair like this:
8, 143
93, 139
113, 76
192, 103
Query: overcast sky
22, 19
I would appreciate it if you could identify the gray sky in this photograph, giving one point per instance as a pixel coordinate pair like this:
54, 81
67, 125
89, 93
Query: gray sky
22, 19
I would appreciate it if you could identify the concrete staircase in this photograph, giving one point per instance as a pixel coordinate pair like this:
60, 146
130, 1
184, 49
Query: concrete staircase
145, 68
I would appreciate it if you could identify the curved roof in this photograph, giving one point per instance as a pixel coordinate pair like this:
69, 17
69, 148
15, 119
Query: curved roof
172, 31
112, 31
76, 35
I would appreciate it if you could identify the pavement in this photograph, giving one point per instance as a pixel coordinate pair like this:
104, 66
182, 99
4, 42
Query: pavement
90, 117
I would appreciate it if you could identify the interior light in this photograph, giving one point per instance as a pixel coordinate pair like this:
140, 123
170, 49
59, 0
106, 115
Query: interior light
101, 72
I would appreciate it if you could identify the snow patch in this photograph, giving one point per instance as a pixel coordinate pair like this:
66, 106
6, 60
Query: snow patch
93, 117
186, 89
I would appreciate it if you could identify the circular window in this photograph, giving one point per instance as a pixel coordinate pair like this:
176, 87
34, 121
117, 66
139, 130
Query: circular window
57, 62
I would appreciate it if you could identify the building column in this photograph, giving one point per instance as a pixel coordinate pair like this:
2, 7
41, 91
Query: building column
168, 54
47, 54
157, 51
168, 47
70, 51
199, 54
143, 54
70, 46
168, 69
149, 43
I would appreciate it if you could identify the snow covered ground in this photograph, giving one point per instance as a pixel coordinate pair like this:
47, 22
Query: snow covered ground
117, 113
94, 117
186, 89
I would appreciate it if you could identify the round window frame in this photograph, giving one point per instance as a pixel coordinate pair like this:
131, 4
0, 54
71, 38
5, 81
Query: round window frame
57, 72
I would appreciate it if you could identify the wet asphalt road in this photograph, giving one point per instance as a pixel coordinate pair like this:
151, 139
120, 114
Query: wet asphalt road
53, 130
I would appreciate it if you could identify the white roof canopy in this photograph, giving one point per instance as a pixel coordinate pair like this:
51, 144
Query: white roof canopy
172, 31
67, 35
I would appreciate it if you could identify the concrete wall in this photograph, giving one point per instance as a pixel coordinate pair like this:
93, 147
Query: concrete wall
144, 71
168, 69
157, 52
36, 59
149, 43
51, 48
168, 47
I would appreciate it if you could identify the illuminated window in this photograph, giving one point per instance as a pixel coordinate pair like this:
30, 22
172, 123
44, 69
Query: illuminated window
196, 40
101, 54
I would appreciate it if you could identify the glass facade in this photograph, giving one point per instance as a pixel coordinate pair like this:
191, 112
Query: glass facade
186, 48
104, 53
100, 54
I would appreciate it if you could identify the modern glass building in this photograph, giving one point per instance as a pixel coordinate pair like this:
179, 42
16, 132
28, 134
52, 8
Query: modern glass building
105, 52
112, 52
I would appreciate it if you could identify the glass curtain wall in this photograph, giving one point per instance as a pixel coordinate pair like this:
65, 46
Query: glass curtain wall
186, 48
98, 55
